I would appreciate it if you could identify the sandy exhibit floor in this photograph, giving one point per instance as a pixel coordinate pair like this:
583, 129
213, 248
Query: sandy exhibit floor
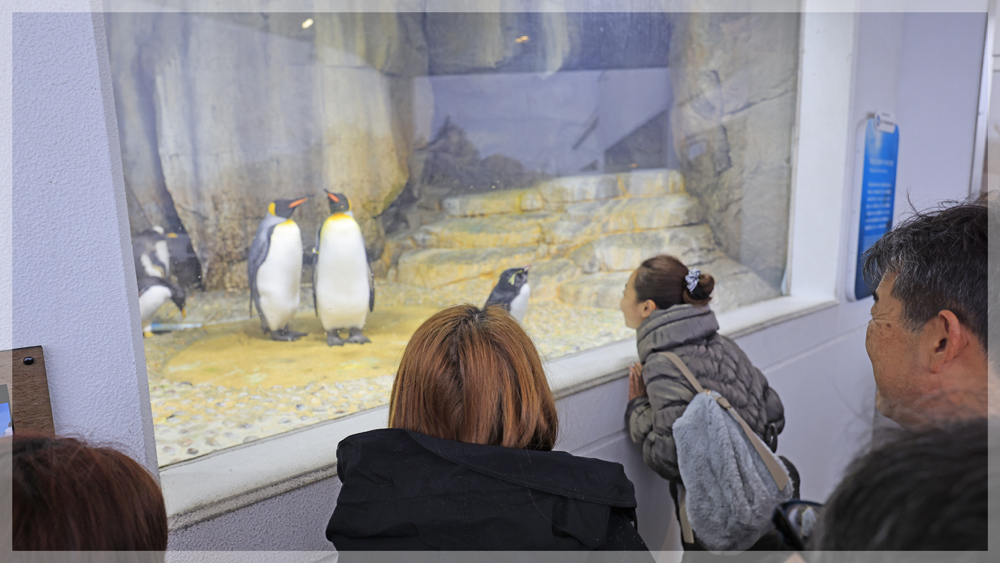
225, 384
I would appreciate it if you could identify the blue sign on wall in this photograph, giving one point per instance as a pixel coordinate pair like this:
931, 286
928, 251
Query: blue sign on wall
878, 192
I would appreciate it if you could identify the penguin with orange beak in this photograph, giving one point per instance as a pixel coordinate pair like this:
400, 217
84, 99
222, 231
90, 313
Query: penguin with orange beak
274, 269
343, 285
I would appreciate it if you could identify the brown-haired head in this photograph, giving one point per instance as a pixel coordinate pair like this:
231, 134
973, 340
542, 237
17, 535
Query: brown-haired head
660, 283
662, 279
473, 375
68, 496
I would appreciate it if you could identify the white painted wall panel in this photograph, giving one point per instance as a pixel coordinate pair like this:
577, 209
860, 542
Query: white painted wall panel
73, 276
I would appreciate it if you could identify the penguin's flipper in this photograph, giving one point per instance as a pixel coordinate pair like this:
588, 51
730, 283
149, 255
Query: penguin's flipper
371, 288
155, 260
258, 253
319, 237
497, 298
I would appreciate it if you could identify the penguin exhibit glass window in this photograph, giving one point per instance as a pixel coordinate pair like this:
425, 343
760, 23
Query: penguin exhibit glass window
304, 190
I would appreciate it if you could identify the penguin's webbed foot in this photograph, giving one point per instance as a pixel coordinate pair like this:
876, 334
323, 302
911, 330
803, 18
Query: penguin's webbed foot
285, 335
357, 338
333, 338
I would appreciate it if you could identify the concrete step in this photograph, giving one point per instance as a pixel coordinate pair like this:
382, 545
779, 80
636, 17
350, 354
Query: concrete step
521, 229
581, 222
557, 193
546, 276
603, 290
654, 183
492, 203
437, 267
575, 225
735, 285
624, 252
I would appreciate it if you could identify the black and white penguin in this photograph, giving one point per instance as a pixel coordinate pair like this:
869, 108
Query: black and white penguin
151, 253
153, 293
343, 285
512, 292
274, 269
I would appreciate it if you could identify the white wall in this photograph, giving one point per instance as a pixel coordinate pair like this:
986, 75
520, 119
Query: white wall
937, 103
73, 277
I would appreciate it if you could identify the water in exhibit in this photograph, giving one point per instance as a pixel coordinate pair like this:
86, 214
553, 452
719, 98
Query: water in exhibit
308, 188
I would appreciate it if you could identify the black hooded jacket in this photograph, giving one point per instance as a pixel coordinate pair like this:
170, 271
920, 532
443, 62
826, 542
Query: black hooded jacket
407, 491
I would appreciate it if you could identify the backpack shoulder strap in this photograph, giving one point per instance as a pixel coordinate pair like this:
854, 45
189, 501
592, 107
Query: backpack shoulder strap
778, 473
684, 370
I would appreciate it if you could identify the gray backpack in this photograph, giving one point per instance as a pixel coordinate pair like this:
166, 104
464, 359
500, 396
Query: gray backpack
731, 481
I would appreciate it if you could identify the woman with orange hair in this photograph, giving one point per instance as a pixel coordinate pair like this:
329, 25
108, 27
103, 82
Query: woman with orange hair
467, 460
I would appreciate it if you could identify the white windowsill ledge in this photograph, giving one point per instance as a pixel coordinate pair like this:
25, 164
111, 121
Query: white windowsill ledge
230, 479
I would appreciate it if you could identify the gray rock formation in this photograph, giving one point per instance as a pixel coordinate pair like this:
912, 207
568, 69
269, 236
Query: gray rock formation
222, 113
583, 236
734, 78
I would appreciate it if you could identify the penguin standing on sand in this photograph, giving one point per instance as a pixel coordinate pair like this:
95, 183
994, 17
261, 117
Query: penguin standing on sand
343, 285
274, 269
153, 293
151, 253
512, 292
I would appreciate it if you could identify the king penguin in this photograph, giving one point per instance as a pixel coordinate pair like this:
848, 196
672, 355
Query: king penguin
512, 292
343, 285
153, 293
274, 269
151, 253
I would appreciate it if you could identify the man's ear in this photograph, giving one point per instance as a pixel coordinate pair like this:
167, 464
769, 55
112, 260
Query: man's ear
944, 339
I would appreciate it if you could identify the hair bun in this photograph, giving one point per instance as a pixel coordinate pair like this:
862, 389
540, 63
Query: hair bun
706, 284
702, 292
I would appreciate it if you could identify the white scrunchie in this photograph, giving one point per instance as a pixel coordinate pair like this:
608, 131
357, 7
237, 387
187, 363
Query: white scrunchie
692, 279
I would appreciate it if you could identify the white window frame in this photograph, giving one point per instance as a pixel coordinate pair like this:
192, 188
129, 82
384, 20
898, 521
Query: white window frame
229, 479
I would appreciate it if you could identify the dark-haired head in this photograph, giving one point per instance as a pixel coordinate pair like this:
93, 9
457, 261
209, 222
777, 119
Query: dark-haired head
473, 375
938, 260
660, 283
923, 490
927, 337
68, 496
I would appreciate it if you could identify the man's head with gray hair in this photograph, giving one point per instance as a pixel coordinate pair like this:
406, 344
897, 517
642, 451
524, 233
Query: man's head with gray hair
927, 336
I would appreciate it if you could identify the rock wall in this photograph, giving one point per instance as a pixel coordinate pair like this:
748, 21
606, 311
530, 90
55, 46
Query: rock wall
149, 202
222, 113
734, 78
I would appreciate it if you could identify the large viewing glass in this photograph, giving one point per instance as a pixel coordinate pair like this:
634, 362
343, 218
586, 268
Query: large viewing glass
465, 145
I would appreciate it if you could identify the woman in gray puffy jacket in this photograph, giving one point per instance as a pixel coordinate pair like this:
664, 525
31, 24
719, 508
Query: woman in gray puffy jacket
667, 304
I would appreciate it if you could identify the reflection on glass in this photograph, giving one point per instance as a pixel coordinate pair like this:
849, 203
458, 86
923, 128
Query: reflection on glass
472, 148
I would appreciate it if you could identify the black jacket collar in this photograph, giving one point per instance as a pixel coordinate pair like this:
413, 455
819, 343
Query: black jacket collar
391, 476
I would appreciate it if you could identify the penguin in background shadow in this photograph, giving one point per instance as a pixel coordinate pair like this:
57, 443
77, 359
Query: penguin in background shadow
512, 292
153, 293
343, 284
274, 269
152, 253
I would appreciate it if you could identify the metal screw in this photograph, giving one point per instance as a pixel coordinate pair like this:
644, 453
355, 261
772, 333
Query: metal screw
28, 360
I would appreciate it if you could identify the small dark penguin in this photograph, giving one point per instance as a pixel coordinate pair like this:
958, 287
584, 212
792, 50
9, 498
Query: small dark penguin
274, 269
153, 293
512, 292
